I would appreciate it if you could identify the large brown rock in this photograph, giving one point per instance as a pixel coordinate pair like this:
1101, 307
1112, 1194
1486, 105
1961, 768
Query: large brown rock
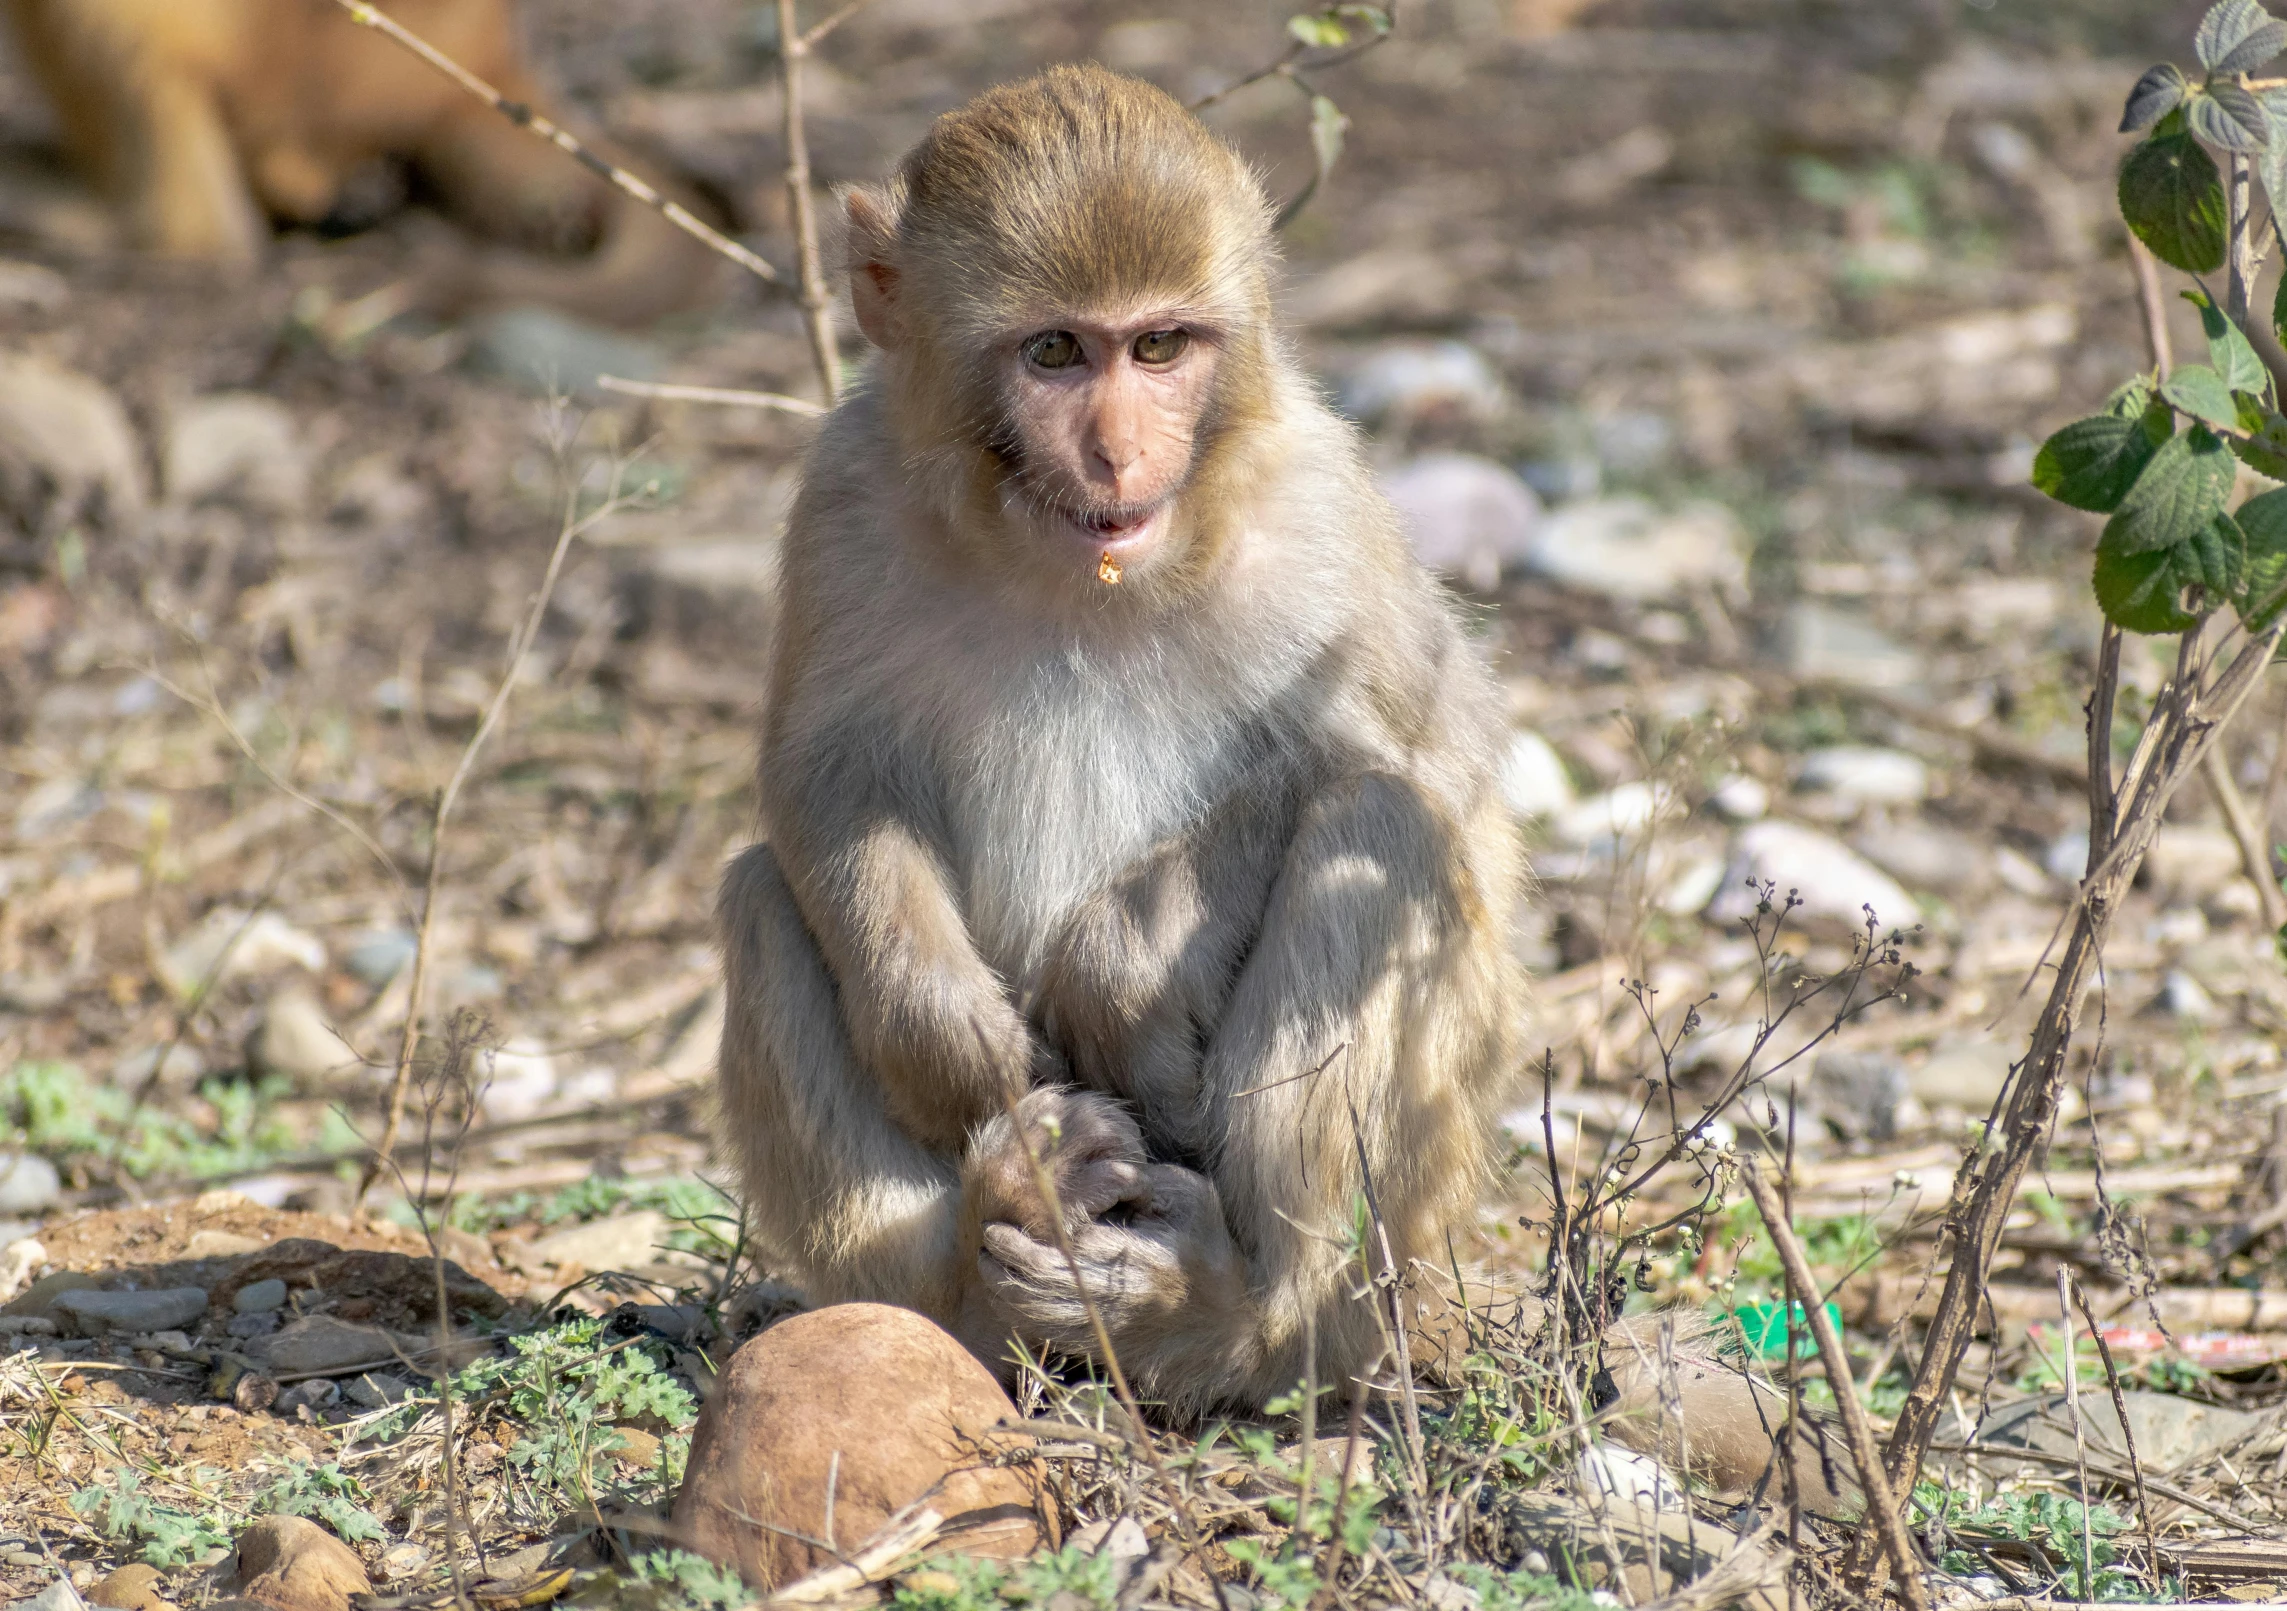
291, 1564
906, 1408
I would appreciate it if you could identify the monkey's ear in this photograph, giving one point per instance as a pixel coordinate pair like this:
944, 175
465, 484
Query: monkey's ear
874, 283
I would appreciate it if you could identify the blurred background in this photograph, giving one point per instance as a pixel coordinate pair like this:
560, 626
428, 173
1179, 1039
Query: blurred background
1704, 345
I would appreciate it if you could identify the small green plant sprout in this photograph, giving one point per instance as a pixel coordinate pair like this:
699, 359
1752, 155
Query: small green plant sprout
676, 1580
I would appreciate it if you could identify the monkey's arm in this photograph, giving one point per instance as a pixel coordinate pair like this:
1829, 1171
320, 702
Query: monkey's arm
924, 1013
1370, 1018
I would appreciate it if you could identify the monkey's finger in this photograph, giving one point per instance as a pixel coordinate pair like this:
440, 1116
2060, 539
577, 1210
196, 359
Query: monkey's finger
1020, 1255
1089, 1191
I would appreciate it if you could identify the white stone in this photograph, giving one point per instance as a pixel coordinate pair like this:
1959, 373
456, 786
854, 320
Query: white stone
2182, 996
61, 430
1741, 798
28, 1183
236, 444
1464, 515
1420, 377
1924, 855
1624, 1474
1691, 886
1826, 644
1534, 782
517, 1080
2190, 862
1833, 882
1618, 814
228, 943
2067, 856
297, 1039
1866, 773
19, 1260
1629, 549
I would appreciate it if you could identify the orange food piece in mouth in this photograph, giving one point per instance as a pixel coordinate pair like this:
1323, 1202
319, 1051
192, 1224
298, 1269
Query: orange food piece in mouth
1108, 571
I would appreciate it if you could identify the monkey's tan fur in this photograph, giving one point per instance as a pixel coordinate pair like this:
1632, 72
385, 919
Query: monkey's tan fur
197, 118
1168, 846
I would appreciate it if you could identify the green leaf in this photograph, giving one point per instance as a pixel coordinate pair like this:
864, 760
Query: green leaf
2228, 24
2264, 448
2228, 349
2131, 400
2267, 41
2139, 592
2172, 199
2199, 391
2092, 463
2214, 558
2160, 91
2182, 489
2263, 519
2228, 117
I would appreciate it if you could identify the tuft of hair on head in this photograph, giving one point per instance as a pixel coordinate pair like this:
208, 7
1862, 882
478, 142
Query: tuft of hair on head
1078, 187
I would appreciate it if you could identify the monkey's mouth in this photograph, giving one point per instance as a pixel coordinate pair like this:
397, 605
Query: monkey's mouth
1118, 531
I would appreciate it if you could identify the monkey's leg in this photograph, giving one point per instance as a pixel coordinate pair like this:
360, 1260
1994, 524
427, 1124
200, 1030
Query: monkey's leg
836, 1192
1370, 1016
187, 193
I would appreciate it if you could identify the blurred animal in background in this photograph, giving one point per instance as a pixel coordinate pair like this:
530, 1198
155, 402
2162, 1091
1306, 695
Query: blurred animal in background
202, 121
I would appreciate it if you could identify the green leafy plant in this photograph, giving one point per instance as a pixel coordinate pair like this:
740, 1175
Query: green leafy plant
168, 1536
570, 1391
675, 1580
327, 1494
2050, 1525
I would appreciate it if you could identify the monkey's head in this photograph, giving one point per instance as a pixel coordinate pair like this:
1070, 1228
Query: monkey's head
1069, 279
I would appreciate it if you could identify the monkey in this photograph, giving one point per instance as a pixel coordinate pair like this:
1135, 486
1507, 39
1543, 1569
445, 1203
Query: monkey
202, 120
1126, 795
1201, 868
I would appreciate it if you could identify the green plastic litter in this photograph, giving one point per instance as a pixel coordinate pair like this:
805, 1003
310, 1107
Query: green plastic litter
1765, 1327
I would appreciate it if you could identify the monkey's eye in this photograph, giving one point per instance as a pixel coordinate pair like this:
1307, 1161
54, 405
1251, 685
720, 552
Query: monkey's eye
1160, 346
1054, 349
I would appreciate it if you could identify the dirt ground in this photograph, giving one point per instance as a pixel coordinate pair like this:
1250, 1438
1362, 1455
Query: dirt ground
1801, 283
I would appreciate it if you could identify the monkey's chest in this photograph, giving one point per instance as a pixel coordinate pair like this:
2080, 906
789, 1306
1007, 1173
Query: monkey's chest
1055, 805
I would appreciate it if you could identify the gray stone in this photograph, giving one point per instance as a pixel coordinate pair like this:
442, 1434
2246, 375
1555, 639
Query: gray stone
242, 446
1964, 1074
94, 1310
1859, 1095
1924, 856
1464, 515
2172, 1434
1825, 644
184, 1068
553, 354
28, 1183
57, 1596
376, 1390
1867, 774
1534, 782
314, 1396
2067, 856
323, 1346
1833, 882
1627, 548
32, 285
260, 1297
245, 1327
376, 958
621, 1242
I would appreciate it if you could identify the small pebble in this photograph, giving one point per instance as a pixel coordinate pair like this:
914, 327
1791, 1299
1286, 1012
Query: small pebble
260, 1297
24, 1557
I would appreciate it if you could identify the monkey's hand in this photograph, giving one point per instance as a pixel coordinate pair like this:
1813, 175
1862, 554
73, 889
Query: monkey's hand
1088, 1145
1161, 1269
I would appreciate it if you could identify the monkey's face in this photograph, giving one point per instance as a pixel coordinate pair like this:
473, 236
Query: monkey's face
1102, 420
